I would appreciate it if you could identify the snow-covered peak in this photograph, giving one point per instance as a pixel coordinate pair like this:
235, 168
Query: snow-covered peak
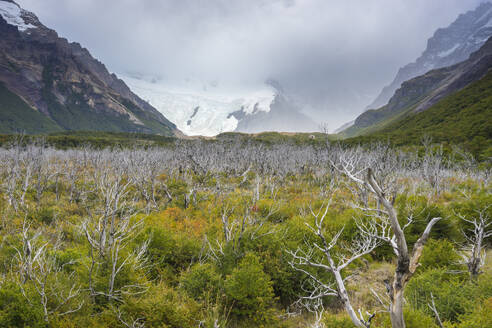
455, 43
448, 46
12, 14
199, 108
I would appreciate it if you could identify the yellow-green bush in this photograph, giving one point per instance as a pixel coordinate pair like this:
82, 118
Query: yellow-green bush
163, 306
16, 311
439, 254
413, 319
337, 321
202, 281
249, 291
481, 317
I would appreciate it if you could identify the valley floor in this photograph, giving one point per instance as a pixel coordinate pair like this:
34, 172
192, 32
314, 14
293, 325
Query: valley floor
235, 233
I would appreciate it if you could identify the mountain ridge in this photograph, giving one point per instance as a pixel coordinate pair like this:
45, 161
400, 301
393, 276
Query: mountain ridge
461, 119
65, 83
448, 46
420, 93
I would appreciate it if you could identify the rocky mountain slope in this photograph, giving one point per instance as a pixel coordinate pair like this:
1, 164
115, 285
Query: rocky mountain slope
420, 93
49, 84
447, 47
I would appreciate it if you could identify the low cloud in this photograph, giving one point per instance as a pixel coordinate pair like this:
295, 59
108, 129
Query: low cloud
334, 55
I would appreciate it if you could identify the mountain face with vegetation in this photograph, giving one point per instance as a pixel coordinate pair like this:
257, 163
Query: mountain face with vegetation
447, 47
423, 92
48, 84
464, 118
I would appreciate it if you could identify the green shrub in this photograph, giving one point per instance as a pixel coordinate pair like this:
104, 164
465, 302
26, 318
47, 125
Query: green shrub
481, 317
454, 295
249, 290
281, 214
67, 259
201, 281
170, 251
418, 319
163, 306
15, 310
422, 212
439, 254
337, 321
43, 215
413, 319
286, 281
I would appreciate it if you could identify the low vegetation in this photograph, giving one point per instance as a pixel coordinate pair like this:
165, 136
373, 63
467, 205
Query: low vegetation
17, 116
239, 233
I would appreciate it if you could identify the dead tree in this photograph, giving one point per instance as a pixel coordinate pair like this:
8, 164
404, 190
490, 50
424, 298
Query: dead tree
432, 167
30, 252
129, 323
115, 253
473, 250
17, 172
239, 222
233, 228
316, 307
385, 212
332, 263
42, 168
72, 173
112, 225
116, 256
432, 307
40, 268
144, 169
110, 176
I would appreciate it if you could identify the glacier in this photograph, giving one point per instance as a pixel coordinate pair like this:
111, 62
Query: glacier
199, 108
12, 14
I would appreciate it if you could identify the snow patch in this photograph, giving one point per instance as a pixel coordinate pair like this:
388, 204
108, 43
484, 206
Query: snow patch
12, 14
215, 104
484, 16
449, 51
489, 24
428, 66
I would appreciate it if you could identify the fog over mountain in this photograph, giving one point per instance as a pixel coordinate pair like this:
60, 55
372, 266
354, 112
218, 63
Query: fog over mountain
331, 57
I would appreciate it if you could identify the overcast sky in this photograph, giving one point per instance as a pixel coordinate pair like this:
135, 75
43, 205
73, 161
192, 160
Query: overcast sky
342, 50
